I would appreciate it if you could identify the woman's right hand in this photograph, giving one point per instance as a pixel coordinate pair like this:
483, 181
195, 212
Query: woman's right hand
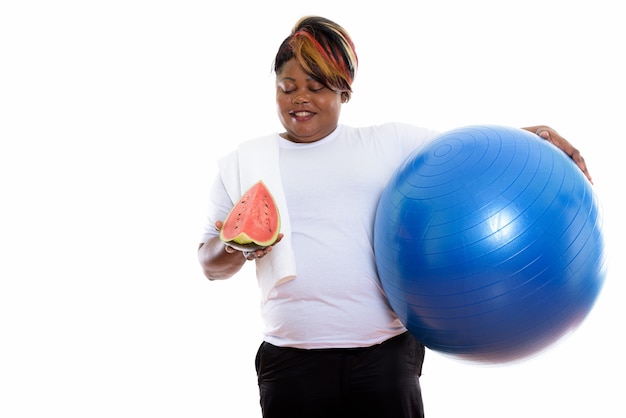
248, 255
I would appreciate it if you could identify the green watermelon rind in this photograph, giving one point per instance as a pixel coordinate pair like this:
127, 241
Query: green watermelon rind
251, 246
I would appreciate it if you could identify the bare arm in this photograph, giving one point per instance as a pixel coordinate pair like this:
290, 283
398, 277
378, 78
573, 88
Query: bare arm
563, 144
217, 262
220, 261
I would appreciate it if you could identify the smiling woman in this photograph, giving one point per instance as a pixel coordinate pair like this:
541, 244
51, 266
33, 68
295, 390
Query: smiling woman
332, 344
112, 118
308, 110
315, 67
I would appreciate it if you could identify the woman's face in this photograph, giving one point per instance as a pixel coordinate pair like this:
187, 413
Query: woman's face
307, 109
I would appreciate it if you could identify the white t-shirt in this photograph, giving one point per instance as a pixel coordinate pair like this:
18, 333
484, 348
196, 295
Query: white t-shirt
332, 188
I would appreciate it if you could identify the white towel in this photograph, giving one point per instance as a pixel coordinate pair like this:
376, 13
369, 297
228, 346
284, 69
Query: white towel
258, 160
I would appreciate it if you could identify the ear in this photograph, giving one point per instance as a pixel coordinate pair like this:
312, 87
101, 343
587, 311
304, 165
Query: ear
345, 97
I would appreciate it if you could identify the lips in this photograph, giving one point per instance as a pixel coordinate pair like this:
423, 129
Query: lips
301, 115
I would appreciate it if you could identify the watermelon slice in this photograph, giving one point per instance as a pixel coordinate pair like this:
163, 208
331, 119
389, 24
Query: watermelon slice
254, 221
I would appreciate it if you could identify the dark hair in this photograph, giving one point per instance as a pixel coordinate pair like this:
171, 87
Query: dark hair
323, 49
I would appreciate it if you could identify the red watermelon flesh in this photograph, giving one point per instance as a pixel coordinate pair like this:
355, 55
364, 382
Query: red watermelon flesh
254, 221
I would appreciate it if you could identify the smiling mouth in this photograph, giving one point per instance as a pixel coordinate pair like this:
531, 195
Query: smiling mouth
302, 114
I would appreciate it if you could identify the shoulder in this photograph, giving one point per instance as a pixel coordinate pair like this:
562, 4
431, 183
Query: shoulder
406, 130
259, 141
228, 160
392, 131
249, 145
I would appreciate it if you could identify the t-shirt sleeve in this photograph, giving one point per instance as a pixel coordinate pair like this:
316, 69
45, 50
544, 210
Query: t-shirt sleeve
414, 137
218, 207
219, 202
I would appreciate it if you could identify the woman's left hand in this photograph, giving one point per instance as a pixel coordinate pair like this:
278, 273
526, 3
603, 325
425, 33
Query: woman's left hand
563, 144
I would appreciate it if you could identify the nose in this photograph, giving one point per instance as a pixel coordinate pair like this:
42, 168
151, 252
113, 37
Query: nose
300, 97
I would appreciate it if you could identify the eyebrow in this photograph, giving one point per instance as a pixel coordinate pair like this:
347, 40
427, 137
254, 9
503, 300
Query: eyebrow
294, 80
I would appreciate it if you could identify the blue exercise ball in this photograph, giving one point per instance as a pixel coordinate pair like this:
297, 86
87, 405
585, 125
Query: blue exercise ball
488, 244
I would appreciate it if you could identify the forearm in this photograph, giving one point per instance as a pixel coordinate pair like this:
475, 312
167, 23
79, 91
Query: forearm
216, 263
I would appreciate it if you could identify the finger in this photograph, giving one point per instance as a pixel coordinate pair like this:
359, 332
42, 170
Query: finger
261, 252
252, 255
569, 150
580, 162
544, 134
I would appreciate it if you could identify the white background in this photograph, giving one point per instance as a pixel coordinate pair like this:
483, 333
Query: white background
112, 115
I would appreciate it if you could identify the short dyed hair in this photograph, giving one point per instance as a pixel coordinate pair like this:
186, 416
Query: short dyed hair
323, 49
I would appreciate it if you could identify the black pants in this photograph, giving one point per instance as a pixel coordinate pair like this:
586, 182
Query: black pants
381, 381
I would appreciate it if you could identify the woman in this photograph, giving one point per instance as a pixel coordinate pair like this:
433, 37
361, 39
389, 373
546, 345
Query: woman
332, 346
